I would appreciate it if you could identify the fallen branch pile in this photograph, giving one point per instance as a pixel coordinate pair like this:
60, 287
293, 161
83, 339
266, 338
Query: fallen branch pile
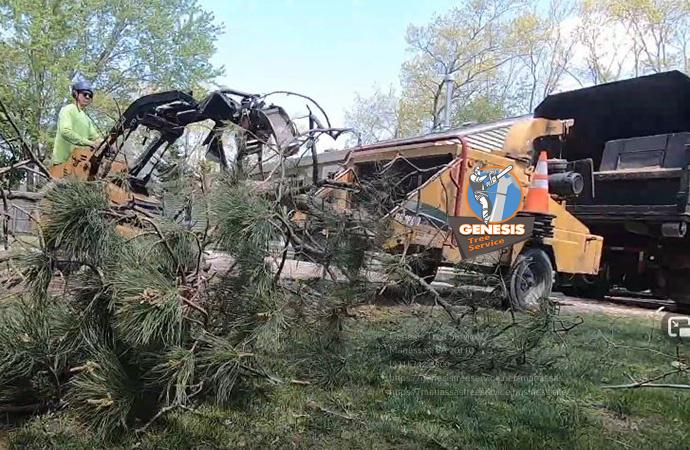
120, 328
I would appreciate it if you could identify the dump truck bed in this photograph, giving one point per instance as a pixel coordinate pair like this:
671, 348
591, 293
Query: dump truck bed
636, 134
652, 105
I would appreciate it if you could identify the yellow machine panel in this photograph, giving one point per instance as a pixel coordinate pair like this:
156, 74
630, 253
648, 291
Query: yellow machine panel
423, 216
575, 249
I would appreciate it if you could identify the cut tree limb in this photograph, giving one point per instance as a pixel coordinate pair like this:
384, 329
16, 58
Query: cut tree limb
647, 385
7, 256
12, 167
649, 382
447, 307
21, 195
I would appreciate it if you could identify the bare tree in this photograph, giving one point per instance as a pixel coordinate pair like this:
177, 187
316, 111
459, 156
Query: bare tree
375, 117
545, 47
604, 45
658, 29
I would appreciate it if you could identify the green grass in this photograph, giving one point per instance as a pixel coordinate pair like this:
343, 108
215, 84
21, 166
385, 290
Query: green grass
377, 401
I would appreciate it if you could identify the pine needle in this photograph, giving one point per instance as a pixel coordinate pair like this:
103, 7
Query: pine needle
74, 221
103, 396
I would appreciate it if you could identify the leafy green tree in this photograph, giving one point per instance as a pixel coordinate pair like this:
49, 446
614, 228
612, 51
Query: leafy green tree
506, 56
125, 48
480, 109
469, 43
604, 44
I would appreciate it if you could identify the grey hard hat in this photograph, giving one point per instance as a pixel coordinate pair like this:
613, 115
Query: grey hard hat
82, 85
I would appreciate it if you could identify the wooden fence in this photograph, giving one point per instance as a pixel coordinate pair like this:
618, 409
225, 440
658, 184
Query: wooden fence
18, 213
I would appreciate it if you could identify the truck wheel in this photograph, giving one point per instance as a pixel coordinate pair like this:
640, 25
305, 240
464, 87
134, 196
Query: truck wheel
530, 279
570, 291
595, 289
594, 286
678, 286
636, 283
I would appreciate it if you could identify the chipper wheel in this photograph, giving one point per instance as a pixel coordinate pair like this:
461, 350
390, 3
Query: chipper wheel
594, 287
530, 279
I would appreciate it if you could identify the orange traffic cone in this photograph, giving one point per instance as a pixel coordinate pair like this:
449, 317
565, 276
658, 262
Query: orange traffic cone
537, 200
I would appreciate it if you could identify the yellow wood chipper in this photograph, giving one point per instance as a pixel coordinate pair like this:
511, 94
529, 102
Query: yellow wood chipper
437, 170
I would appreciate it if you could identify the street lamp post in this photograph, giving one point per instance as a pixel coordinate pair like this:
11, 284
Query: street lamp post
448, 80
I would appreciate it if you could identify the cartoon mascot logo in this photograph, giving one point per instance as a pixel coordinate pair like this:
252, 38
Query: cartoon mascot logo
494, 194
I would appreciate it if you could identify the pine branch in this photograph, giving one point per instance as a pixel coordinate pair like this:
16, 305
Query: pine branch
14, 166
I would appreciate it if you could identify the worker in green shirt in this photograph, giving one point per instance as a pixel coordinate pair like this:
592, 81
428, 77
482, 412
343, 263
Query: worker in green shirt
74, 127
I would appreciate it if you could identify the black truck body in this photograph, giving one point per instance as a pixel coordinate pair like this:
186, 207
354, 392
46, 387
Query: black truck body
637, 134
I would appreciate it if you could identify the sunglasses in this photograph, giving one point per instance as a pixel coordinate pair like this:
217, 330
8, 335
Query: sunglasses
86, 94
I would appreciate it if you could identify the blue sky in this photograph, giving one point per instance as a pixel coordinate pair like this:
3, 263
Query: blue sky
327, 50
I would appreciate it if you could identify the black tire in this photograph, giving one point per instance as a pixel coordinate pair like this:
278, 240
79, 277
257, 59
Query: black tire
594, 287
596, 290
425, 264
678, 288
637, 283
530, 279
570, 291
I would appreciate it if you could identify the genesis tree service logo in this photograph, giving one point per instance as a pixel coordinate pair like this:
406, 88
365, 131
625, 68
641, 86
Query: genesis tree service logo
494, 196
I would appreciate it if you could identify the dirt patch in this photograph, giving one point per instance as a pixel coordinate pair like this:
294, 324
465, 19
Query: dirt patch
616, 423
581, 306
384, 312
568, 305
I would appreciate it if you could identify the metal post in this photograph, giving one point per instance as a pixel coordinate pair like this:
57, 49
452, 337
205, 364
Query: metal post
448, 80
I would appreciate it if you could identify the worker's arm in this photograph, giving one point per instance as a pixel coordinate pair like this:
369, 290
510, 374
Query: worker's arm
492, 176
94, 135
67, 132
478, 178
